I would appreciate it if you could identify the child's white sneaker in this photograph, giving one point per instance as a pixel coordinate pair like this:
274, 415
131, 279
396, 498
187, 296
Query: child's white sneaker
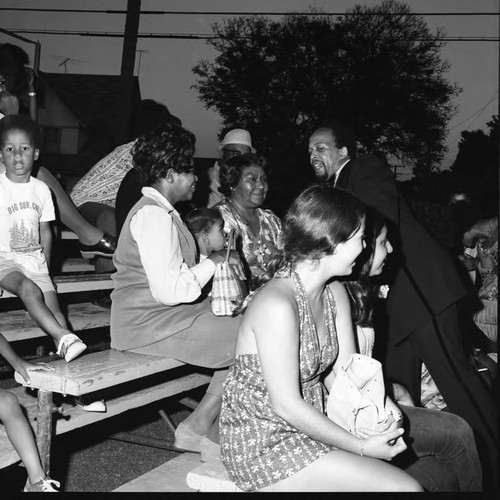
42, 486
70, 346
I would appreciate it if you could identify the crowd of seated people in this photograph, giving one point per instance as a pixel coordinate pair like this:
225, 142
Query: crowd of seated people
315, 302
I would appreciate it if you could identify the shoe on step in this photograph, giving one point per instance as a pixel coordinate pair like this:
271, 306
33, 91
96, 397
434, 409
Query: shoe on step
70, 346
42, 486
209, 449
105, 247
186, 439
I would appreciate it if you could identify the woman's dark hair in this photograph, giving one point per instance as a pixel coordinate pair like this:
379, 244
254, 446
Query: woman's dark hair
318, 220
168, 146
13, 60
20, 122
201, 220
232, 168
362, 291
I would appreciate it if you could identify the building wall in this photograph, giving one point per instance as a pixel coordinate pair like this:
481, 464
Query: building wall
61, 129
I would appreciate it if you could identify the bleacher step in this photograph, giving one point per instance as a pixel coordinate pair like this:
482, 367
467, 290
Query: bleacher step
18, 325
74, 417
212, 477
77, 265
169, 477
76, 283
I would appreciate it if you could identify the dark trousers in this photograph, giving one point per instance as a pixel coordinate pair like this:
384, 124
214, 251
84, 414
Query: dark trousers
441, 451
439, 345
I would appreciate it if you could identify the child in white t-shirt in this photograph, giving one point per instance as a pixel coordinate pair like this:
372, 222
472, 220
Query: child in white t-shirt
26, 210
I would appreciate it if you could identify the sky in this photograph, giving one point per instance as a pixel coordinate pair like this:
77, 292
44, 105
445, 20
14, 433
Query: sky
165, 72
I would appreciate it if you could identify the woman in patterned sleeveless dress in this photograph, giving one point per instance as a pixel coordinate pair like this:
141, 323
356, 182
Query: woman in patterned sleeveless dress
275, 435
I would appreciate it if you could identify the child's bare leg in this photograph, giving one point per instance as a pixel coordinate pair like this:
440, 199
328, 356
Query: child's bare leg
52, 302
20, 435
33, 298
71, 346
69, 214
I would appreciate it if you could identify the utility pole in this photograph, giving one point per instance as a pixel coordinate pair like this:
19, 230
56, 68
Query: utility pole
140, 52
130, 37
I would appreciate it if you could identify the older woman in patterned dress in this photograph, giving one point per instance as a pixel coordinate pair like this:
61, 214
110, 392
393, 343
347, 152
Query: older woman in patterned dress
243, 181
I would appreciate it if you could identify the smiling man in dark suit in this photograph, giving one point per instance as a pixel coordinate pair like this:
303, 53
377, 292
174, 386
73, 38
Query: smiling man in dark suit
422, 306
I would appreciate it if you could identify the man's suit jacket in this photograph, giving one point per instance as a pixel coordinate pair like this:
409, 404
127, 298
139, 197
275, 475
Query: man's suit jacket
424, 261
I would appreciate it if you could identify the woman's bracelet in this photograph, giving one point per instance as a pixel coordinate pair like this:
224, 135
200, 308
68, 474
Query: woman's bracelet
362, 447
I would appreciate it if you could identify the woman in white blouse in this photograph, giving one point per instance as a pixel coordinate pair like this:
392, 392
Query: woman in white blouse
156, 305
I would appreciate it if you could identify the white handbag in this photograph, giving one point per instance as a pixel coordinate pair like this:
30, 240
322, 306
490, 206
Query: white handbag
357, 396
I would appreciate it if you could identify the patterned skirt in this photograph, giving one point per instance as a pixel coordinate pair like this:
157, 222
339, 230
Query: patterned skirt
258, 447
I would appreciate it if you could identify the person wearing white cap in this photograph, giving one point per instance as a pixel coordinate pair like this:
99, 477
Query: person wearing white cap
236, 141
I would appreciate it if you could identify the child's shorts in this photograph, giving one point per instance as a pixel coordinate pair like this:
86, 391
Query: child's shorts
43, 280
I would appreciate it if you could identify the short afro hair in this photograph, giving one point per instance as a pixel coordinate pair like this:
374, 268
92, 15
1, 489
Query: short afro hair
168, 146
20, 122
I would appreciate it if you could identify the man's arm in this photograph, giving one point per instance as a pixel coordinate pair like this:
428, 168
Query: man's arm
375, 185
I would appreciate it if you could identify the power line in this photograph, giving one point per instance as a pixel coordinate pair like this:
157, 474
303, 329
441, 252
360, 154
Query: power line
477, 113
27, 40
207, 36
456, 145
218, 13
456, 142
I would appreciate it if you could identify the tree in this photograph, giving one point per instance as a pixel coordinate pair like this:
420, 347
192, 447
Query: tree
381, 73
478, 152
475, 172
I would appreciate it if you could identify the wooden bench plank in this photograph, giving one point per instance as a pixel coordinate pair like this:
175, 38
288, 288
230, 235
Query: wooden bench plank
77, 283
211, 476
8, 455
18, 325
168, 477
99, 370
68, 235
75, 265
82, 278
75, 417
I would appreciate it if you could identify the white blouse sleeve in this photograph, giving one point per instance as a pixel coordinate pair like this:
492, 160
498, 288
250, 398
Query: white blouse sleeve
171, 281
